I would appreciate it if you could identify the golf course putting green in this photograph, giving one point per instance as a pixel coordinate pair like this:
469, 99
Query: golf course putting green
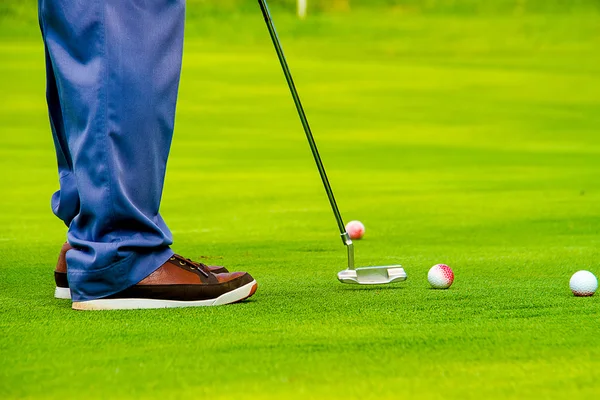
471, 140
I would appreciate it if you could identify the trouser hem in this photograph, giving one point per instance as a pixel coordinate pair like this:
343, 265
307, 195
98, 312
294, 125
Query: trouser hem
96, 284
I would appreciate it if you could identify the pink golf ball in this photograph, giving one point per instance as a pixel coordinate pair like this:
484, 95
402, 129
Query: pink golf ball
355, 229
440, 276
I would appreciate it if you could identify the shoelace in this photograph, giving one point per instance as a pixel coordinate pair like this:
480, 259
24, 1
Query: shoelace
193, 265
199, 264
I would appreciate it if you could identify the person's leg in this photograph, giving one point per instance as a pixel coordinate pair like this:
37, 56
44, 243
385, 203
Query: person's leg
117, 65
65, 202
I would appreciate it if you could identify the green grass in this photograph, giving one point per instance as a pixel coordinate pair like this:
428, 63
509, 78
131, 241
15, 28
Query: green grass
468, 141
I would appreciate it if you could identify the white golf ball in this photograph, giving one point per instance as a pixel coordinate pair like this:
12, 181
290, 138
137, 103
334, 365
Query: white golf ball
583, 283
355, 229
440, 276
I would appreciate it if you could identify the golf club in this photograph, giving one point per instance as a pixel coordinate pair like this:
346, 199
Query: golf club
363, 275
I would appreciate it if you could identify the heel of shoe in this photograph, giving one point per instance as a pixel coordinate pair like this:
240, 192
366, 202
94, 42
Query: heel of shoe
62, 293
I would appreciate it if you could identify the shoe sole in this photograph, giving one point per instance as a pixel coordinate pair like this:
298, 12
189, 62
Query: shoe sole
236, 295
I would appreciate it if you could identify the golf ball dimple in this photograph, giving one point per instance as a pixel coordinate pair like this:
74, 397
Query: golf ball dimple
440, 276
583, 283
355, 229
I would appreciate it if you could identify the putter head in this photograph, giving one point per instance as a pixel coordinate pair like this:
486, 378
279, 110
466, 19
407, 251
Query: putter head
373, 275
368, 275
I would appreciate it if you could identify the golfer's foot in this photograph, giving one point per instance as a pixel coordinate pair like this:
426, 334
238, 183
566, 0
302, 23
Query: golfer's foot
62, 290
178, 283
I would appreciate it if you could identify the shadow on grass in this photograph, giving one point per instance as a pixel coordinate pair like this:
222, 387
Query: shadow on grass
68, 305
368, 288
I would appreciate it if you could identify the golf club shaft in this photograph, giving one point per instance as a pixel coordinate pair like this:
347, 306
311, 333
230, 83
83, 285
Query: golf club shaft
311, 141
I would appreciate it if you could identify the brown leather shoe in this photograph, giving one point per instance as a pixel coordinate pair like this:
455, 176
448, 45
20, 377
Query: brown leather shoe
62, 290
178, 283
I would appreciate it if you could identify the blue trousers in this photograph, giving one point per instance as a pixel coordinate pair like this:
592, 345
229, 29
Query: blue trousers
113, 69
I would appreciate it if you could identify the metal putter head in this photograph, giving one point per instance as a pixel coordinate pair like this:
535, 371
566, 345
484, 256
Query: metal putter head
368, 275
373, 275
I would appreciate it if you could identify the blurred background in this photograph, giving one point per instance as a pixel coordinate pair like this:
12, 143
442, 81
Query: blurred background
406, 99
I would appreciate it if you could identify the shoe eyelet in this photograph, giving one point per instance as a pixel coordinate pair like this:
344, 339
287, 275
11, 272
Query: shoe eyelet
192, 267
181, 263
172, 259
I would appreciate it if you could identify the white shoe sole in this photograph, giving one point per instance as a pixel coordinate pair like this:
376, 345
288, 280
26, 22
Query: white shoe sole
62, 293
235, 295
